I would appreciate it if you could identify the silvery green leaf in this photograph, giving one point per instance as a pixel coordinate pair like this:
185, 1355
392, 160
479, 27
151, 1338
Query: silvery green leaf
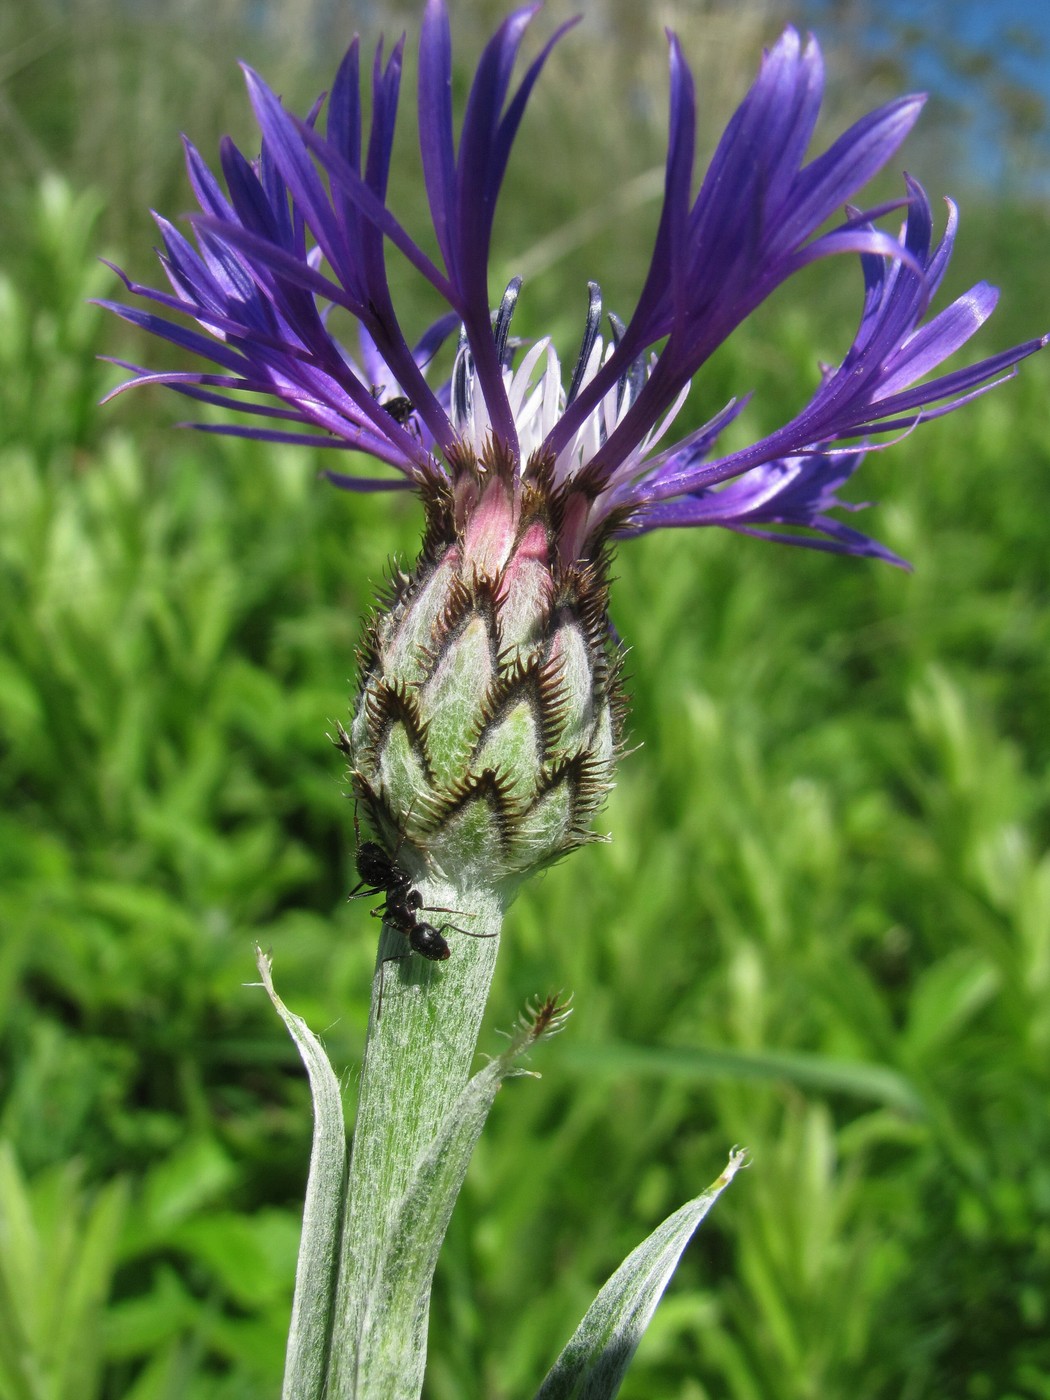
595, 1360
701, 1064
306, 1362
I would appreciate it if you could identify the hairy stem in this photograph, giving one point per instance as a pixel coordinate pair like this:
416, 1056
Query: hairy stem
417, 1062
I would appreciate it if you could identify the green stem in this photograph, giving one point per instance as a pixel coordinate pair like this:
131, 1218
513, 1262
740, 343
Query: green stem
417, 1062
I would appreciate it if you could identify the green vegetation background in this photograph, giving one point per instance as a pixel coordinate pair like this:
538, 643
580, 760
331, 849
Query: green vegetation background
822, 927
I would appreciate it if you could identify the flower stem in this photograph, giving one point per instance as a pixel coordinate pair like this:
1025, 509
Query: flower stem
416, 1065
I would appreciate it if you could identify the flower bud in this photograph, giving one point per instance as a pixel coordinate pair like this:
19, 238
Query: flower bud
489, 713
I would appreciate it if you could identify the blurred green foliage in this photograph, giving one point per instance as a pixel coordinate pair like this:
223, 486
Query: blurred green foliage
822, 927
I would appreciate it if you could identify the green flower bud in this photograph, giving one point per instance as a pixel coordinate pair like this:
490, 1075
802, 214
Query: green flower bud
489, 713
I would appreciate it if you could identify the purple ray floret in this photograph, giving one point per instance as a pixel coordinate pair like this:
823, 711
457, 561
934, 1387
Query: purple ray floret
297, 239
791, 493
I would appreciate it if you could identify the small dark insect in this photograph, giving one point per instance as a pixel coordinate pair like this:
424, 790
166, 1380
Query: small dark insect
381, 874
399, 408
378, 873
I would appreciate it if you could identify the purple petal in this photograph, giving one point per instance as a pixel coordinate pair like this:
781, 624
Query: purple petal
344, 108
204, 185
849, 163
367, 483
271, 258
931, 344
289, 154
435, 128
794, 492
668, 252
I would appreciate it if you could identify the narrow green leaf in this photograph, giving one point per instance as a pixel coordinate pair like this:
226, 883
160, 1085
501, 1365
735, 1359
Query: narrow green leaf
17, 1256
595, 1360
856, 1078
58, 1246
73, 1345
308, 1337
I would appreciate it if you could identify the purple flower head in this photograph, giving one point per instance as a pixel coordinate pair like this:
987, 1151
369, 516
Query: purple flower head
306, 229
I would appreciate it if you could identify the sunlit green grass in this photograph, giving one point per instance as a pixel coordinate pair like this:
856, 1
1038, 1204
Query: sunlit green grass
822, 927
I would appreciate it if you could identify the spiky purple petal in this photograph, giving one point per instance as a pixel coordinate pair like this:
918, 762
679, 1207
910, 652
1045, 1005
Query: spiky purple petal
796, 492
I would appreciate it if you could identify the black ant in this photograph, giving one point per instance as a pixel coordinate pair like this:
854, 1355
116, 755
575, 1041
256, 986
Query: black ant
398, 406
381, 874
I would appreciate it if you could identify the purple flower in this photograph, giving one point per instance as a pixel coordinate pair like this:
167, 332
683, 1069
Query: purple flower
303, 231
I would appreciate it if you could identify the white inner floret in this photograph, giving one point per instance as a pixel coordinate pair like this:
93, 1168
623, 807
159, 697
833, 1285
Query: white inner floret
537, 400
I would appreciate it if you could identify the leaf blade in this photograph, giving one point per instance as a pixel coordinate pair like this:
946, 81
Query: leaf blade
594, 1361
306, 1361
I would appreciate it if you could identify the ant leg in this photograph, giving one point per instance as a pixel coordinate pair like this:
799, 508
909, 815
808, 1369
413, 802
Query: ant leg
396, 957
469, 932
359, 888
